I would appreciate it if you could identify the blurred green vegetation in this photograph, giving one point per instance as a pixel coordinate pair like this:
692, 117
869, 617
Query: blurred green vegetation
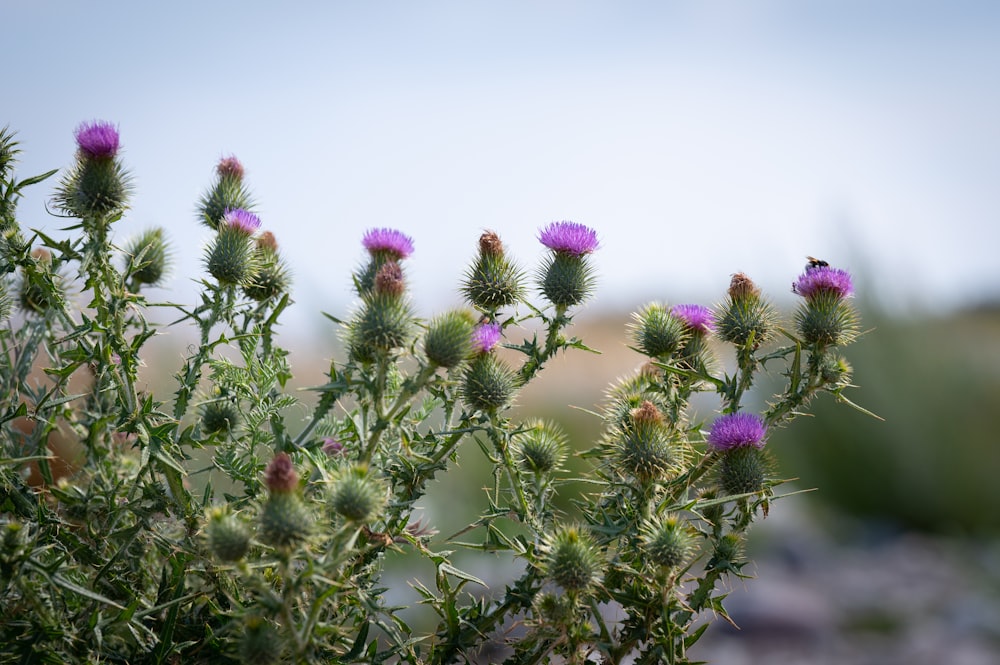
933, 464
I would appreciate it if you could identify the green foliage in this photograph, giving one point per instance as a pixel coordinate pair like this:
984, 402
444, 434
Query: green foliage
128, 553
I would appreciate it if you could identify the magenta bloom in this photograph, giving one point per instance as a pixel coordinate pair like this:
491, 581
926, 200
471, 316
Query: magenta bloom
97, 139
737, 430
230, 167
823, 279
390, 241
486, 336
569, 238
332, 447
242, 220
697, 318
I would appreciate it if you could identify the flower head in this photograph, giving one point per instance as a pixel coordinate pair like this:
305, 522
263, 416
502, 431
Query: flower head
697, 318
737, 430
390, 241
569, 238
97, 139
332, 447
230, 167
823, 279
280, 476
241, 219
486, 336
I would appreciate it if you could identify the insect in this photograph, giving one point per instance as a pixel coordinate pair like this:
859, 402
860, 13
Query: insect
815, 263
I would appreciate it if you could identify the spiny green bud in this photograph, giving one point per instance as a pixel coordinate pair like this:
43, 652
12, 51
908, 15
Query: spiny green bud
271, 278
219, 416
228, 535
727, 553
228, 193
558, 610
356, 496
488, 383
835, 370
41, 288
541, 447
826, 319
231, 257
566, 279
745, 319
743, 470
285, 520
668, 542
571, 559
657, 332
95, 188
646, 449
149, 256
383, 324
261, 644
493, 281
449, 338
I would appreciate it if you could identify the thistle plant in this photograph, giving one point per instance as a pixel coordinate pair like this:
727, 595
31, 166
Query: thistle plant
216, 525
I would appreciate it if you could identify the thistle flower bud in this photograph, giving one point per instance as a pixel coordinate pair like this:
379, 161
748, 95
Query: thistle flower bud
271, 277
493, 281
356, 496
332, 448
556, 610
745, 319
261, 643
150, 257
284, 519
727, 553
280, 476
389, 280
228, 536
230, 167
647, 450
448, 341
668, 542
41, 288
743, 470
541, 447
657, 332
97, 186
228, 193
232, 257
488, 383
826, 319
383, 324
566, 278
219, 416
571, 559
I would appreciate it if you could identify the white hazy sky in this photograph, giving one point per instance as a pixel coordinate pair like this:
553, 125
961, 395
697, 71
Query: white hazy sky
698, 138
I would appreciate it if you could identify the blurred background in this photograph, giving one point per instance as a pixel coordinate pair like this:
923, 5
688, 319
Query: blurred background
699, 139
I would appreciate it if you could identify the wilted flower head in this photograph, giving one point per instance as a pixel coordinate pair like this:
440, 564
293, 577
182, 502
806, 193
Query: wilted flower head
569, 238
490, 244
389, 241
389, 280
741, 287
230, 167
486, 336
823, 279
267, 241
242, 220
97, 139
696, 317
737, 430
280, 476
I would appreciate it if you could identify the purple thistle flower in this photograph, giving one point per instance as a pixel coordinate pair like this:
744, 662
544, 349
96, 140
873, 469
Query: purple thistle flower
823, 279
242, 220
569, 238
737, 430
697, 318
332, 447
486, 336
280, 476
97, 139
389, 241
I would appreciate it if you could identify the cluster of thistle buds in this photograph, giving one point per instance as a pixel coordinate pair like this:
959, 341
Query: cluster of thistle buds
240, 255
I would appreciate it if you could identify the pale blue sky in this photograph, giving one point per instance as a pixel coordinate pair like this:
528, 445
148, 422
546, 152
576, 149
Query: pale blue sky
698, 138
